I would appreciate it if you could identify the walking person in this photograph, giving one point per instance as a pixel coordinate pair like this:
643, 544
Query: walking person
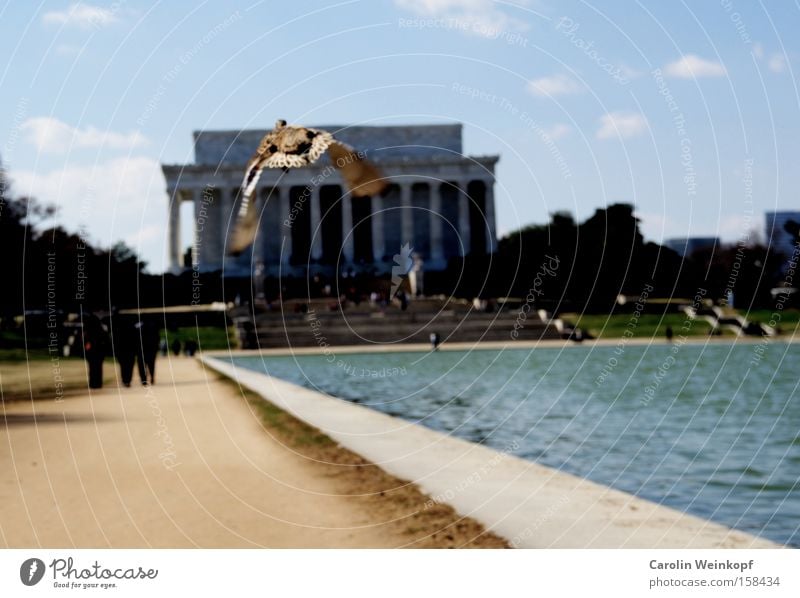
434, 338
95, 345
123, 335
146, 351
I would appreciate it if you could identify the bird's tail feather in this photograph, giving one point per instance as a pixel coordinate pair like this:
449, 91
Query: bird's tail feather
362, 177
246, 226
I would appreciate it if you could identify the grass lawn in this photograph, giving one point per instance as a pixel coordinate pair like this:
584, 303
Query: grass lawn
790, 318
648, 325
208, 338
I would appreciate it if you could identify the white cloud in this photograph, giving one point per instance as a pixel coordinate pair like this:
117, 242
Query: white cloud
67, 49
555, 85
54, 136
81, 15
692, 66
120, 199
777, 63
481, 17
622, 124
557, 131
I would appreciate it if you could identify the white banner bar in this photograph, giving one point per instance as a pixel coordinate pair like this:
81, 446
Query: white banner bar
400, 573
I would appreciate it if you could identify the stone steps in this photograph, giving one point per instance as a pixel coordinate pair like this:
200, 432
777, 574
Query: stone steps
334, 328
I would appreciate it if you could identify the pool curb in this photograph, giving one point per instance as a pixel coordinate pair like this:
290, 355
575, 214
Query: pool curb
530, 505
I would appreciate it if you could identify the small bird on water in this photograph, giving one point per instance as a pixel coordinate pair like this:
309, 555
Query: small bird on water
288, 146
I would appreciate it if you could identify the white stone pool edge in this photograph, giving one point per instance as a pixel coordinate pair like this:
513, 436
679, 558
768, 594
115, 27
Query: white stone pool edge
529, 505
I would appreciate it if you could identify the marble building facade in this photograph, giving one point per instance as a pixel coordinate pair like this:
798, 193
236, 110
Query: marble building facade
439, 201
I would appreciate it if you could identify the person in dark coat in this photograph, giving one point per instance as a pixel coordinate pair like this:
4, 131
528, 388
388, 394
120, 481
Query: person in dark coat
147, 350
124, 337
95, 346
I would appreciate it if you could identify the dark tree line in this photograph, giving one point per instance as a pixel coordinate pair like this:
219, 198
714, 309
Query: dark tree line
48, 268
606, 256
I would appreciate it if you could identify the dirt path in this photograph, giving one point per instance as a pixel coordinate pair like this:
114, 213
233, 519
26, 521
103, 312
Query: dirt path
191, 462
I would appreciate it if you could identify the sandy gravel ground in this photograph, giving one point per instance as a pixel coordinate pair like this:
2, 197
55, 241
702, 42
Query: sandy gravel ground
192, 462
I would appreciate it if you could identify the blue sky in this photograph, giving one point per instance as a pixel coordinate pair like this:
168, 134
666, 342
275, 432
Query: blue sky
687, 110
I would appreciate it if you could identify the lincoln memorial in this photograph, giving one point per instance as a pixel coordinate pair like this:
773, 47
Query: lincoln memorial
439, 201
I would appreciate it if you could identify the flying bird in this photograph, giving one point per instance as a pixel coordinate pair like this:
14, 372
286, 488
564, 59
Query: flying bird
288, 146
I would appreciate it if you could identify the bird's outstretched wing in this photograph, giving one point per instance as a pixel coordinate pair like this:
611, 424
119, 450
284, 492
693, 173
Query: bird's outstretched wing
294, 147
360, 175
284, 147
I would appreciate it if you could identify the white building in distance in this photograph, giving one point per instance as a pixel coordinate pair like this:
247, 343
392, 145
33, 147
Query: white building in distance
439, 201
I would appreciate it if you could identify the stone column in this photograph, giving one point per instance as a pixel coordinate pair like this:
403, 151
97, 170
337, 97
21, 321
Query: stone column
347, 229
228, 200
378, 246
406, 215
260, 243
286, 225
201, 218
435, 206
491, 238
463, 217
316, 229
174, 231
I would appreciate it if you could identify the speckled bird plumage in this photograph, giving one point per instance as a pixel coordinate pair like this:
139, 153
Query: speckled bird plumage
288, 146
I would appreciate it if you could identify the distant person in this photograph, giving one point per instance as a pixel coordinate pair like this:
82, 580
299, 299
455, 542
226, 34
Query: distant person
190, 347
147, 345
95, 346
123, 336
163, 347
401, 296
669, 334
176, 347
434, 341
